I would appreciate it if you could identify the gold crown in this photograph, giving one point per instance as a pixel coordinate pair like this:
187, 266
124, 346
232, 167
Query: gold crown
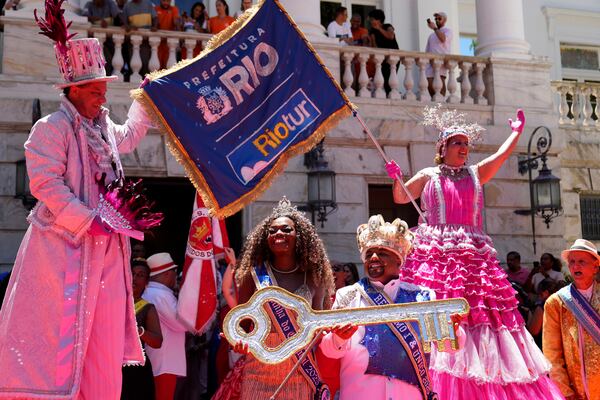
378, 233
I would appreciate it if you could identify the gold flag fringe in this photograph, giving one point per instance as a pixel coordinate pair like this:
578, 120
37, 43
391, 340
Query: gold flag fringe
181, 155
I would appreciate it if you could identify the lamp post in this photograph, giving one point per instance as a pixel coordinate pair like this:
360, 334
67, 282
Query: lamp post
544, 190
321, 185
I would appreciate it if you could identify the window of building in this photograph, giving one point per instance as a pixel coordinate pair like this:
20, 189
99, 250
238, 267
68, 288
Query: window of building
590, 216
381, 201
360, 7
586, 58
467, 44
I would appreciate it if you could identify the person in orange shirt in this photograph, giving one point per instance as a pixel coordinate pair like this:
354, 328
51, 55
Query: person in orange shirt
222, 20
168, 20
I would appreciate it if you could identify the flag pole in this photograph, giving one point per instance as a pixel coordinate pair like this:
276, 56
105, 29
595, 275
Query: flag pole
368, 132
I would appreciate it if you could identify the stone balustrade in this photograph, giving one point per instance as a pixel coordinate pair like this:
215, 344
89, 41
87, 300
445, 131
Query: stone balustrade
577, 104
175, 40
465, 81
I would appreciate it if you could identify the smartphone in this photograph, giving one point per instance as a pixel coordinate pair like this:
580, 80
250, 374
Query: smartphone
428, 20
536, 265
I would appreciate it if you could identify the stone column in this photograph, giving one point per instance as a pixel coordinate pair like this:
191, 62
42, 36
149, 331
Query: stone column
501, 29
307, 14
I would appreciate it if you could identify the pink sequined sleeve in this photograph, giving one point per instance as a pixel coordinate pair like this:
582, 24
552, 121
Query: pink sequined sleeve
46, 155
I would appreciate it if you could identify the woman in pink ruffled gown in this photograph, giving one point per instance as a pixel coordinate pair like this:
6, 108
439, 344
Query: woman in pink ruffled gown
453, 256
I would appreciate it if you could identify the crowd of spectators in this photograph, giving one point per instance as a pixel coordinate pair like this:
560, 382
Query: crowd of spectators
534, 285
156, 15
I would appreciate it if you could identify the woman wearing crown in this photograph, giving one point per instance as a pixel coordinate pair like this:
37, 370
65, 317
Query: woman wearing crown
282, 250
453, 256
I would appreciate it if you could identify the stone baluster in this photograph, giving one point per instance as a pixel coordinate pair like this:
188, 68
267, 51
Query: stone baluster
172, 43
378, 78
586, 111
452, 85
117, 61
576, 107
348, 77
393, 81
154, 63
136, 59
563, 106
437, 80
596, 109
189, 48
479, 85
363, 78
408, 78
424, 95
465, 83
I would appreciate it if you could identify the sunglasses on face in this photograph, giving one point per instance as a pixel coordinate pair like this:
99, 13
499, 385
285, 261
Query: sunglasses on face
284, 229
438, 18
459, 143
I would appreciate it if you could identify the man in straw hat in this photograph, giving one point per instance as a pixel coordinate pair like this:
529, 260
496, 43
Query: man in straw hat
381, 361
168, 361
67, 324
571, 335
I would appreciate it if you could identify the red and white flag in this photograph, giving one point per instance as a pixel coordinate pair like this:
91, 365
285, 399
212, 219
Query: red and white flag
197, 305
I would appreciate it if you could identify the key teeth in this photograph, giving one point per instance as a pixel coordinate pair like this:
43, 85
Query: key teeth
427, 347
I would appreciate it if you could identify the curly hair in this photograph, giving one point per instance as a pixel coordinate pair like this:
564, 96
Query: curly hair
310, 251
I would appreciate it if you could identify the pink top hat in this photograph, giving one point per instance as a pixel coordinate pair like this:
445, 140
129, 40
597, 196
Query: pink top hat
81, 62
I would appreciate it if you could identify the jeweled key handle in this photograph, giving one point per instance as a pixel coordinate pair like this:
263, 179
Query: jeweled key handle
433, 318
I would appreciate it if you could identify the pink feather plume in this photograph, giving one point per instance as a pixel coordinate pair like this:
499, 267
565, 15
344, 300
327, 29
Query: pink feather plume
54, 25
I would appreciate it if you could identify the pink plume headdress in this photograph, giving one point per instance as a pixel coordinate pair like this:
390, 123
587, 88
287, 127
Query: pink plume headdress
54, 25
450, 123
125, 208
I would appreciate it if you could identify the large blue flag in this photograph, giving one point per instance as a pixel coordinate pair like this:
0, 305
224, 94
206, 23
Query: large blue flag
256, 96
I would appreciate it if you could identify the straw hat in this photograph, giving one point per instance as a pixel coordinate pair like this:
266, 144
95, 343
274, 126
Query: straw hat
581, 245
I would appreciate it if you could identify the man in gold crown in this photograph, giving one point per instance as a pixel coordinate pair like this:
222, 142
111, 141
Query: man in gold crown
67, 324
381, 361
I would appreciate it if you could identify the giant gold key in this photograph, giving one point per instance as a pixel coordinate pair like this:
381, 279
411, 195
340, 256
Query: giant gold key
433, 317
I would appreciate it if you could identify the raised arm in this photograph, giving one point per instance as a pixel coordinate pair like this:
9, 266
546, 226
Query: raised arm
414, 185
490, 166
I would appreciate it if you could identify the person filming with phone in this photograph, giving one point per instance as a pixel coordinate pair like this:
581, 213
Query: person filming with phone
439, 42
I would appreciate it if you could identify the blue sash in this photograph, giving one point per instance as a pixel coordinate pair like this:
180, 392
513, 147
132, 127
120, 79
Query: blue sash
286, 327
408, 338
582, 310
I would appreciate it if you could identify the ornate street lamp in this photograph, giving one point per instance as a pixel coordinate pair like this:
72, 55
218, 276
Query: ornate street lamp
321, 185
544, 190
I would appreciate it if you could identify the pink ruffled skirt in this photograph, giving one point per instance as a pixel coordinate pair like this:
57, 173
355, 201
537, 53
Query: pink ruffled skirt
500, 360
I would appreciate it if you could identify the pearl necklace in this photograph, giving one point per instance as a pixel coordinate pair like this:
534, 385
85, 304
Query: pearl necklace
283, 272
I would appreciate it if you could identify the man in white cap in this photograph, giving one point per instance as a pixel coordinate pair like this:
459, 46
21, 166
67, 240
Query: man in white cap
67, 324
439, 42
168, 361
571, 333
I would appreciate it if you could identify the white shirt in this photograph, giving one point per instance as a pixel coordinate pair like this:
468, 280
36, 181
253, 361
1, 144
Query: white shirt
170, 357
436, 46
354, 383
335, 30
552, 274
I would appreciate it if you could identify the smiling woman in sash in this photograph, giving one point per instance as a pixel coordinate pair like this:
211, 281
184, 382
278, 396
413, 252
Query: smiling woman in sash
283, 250
572, 326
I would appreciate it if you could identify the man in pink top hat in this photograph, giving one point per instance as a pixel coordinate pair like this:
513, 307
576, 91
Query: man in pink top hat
67, 324
168, 361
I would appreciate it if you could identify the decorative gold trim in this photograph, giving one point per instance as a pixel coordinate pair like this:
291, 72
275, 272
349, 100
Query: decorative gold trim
183, 157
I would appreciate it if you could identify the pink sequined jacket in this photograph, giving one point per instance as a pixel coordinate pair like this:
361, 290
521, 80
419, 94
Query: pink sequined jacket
49, 307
